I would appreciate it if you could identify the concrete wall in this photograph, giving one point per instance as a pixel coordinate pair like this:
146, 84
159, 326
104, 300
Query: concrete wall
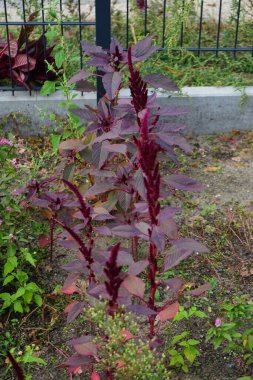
213, 109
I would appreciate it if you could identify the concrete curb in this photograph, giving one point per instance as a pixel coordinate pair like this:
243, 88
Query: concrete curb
213, 109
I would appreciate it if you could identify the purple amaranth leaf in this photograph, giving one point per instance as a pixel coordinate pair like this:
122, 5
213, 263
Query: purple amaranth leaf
169, 313
102, 217
115, 44
151, 100
107, 136
172, 111
144, 228
75, 266
169, 228
99, 154
174, 139
124, 257
83, 74
77, 360
99, 291
168, 149
98, 173
138, 184
87, 114
69, 244
134, 285
82, 339
182, 248
143, 49
140, 309
40, 202
200, 290
125, 230
158, 238
86, 349
169, 127
86, 86
124, 200
168, 212
116, 148
112, 82
187, 243
138, 267
174, 284
161, 81
141, 207
182, 182
104, 230
90, 48
75, 311
73, 145
91, 128
100, 188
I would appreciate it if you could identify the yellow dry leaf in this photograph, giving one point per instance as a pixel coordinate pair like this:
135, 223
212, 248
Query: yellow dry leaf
212, 169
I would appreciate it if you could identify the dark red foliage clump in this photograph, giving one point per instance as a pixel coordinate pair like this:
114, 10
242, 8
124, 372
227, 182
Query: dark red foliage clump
141, 4
24, 61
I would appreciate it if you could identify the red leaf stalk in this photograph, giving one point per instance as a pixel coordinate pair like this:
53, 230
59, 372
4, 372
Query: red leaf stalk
137, 86
86, 212
87, 253
18, 370
113, 273
147, 155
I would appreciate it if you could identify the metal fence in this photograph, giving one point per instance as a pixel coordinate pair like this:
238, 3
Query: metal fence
178, 24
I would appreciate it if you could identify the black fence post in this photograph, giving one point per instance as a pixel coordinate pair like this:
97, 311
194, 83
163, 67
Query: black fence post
103, 34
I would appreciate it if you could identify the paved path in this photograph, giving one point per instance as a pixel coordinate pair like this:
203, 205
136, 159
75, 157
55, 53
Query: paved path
211, 7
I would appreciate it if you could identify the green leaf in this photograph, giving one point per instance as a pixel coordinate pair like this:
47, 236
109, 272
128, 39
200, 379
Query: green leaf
177, 359
200, 314
59, 58
28, 296
18, 307
8, 279
185, 368
55, 140
10, 265
29, 258
33, 287
5, 296
191, 353
193, 342
50, 34
38, 299
177, 338
21, 276
250, 342
47, 88
19, 293
29, 358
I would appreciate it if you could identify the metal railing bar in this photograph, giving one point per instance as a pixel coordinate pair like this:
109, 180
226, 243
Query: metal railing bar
218, 29
164, 22
237, 24
8, 42
26, 42
200, 26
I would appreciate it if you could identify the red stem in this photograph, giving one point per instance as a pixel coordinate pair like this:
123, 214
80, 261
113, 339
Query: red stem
52, 224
